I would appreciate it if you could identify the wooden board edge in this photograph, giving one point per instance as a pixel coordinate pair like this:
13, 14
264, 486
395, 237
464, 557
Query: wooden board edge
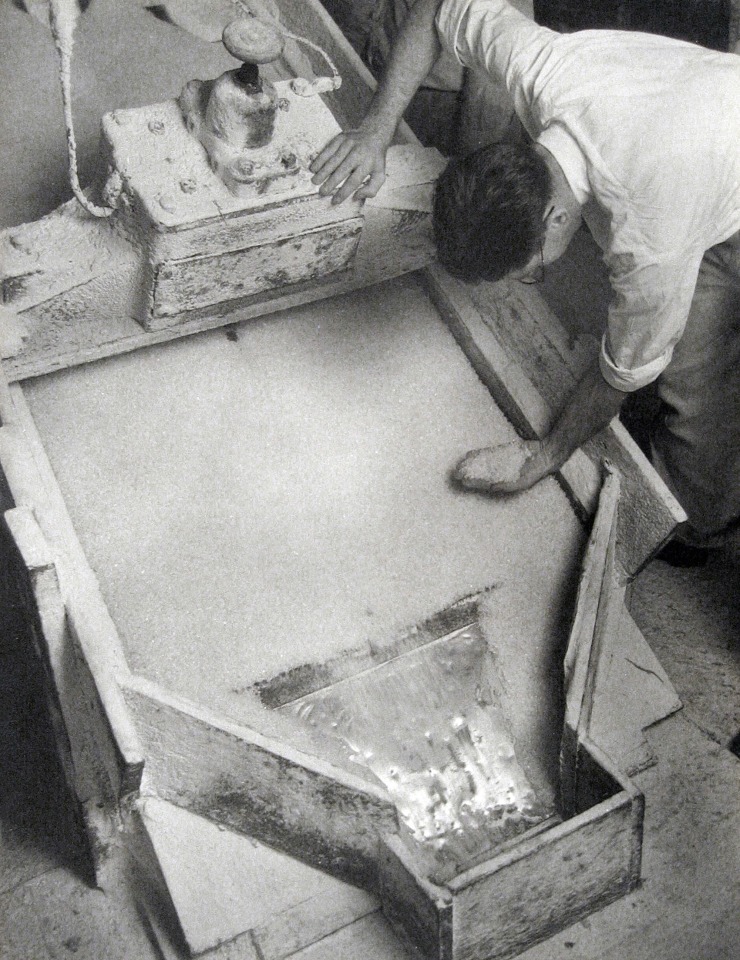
31, 484
650, 513
140, 687
625, 799
419, 912
286, 800
308, 678
584, 643
365, 273
634, 796
95, 772
311, 13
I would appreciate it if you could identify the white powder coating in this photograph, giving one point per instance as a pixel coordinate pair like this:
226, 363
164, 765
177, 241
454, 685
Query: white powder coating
166, 168
501, 464
254, 505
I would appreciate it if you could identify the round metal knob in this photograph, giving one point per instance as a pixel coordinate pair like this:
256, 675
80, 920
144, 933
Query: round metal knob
253, 40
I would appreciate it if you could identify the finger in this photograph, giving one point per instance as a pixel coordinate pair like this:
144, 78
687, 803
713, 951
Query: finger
342, 153
468, 473
337, 169
372, 186
326, 154
347, 168
471, 480
351, 186
492, 468
351, 183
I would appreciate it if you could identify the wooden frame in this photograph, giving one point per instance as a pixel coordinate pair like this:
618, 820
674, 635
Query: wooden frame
523, 894
105, 715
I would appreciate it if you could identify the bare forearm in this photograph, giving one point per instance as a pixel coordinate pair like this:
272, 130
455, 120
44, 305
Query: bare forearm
518, 465
591, 407
414, 53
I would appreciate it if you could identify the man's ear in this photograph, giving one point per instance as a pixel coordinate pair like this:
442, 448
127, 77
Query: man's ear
558, 217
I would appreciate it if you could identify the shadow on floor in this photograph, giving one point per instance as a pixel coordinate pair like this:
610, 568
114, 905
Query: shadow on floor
38, 826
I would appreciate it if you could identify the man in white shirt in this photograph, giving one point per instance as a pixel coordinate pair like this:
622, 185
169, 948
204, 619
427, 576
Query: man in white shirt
640, 136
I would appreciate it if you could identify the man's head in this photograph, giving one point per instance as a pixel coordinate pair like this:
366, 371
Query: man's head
499, 210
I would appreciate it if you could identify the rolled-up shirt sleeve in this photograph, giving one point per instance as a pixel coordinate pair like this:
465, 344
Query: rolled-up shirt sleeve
646, 319
449, 19
488, 34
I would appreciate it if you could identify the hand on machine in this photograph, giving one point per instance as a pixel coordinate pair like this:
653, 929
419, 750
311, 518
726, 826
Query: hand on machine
353, 163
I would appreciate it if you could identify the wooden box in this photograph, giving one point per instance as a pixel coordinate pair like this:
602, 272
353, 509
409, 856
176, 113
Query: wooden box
122, 733
563, 868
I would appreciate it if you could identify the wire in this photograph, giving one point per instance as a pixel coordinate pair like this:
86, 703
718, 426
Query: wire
63, 16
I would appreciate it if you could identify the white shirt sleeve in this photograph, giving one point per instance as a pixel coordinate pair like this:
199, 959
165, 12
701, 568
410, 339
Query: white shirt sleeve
647, 317
485, 34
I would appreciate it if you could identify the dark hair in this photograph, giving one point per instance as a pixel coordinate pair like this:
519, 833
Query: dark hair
488, 210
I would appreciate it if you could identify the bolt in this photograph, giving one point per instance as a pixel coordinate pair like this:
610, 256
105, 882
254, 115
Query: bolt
168, 202
243, 169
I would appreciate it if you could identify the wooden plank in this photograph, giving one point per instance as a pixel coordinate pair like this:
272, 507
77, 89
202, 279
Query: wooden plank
29, 466
84, 742
185, 285
608, 592
545, 885
260, 786
532, 333
82, 249
582, 654
95, 320
605, 768
98, 764
514, 392
57, 344
45, 615
419, 911
650, 512
308, 678
614, 685
32, 484
238, 229
307, 18
631, 692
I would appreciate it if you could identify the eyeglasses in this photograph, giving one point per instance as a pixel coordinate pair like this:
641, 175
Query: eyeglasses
538, 274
